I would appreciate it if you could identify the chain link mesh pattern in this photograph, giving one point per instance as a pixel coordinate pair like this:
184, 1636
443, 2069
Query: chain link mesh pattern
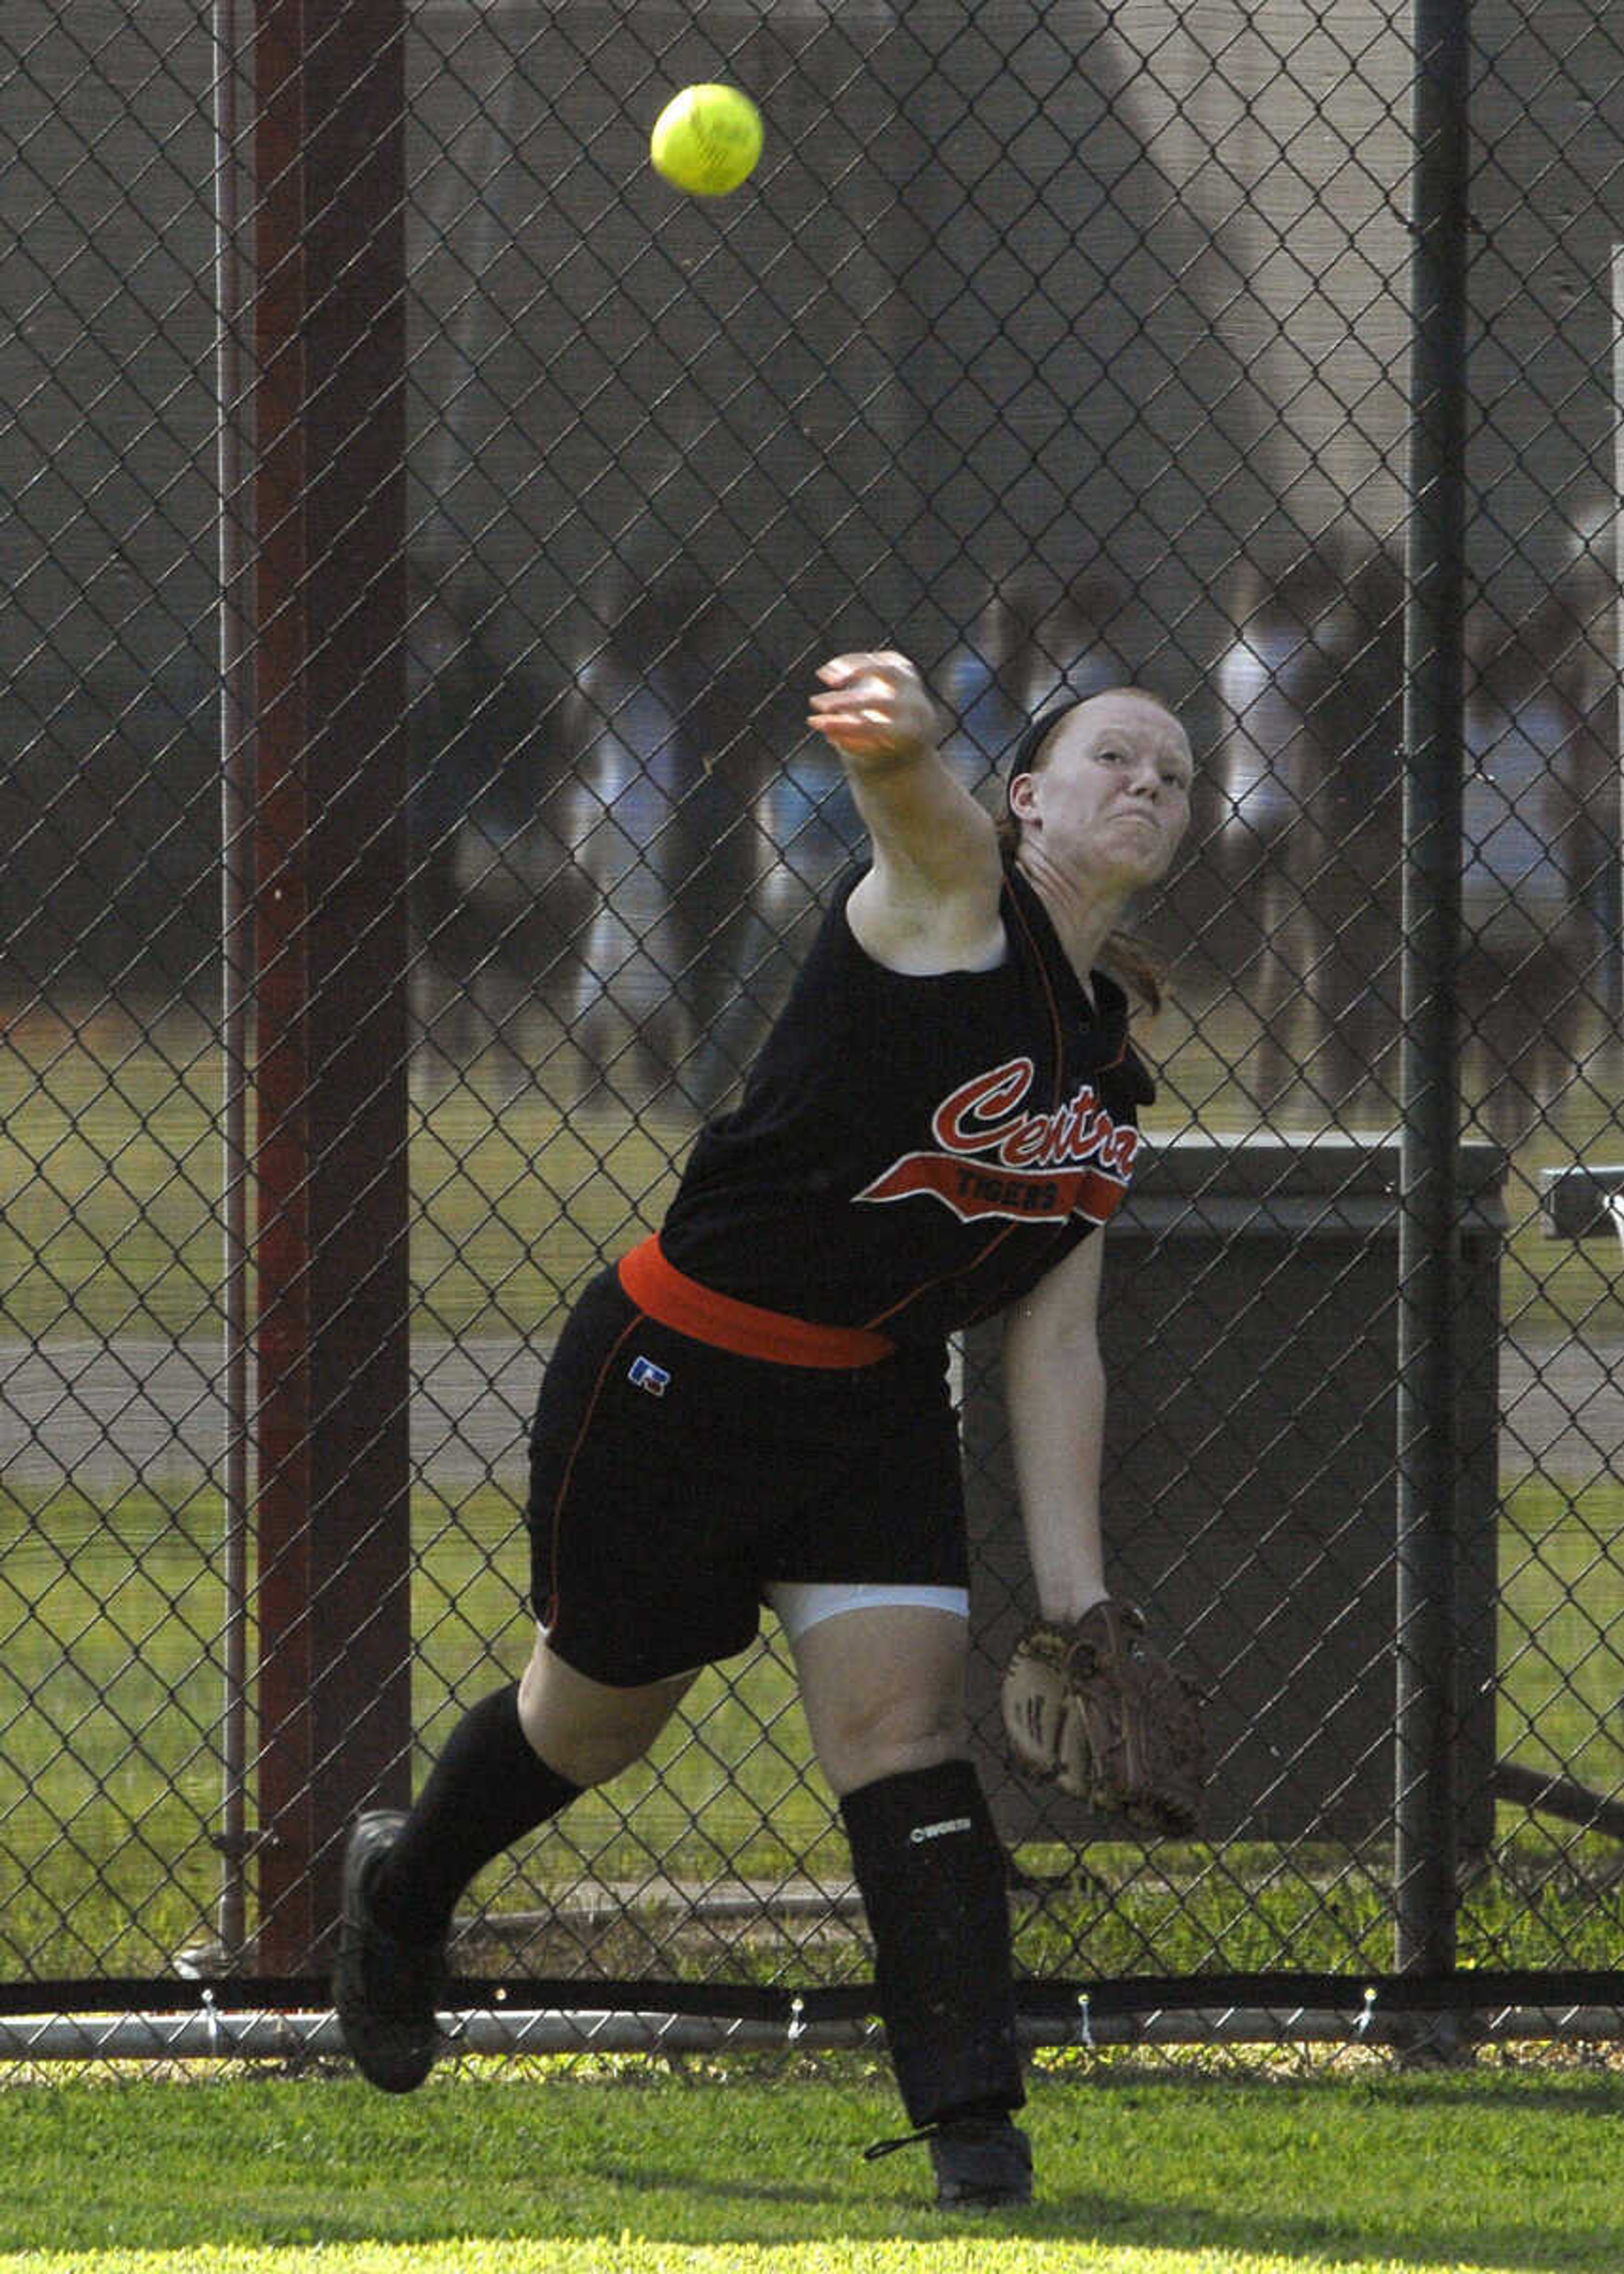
1057, 346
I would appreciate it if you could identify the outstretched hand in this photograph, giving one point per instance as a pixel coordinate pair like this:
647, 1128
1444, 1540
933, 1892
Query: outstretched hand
873, 708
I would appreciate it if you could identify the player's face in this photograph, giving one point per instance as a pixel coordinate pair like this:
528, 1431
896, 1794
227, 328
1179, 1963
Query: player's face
1110, 800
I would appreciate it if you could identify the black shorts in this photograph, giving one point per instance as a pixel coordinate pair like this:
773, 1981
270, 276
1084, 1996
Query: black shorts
671, 1483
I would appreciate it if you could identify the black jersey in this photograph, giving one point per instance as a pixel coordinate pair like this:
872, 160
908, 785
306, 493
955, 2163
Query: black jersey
910, 1154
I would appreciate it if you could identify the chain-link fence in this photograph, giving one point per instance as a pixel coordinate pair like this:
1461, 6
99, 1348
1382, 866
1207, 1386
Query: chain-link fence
421, 526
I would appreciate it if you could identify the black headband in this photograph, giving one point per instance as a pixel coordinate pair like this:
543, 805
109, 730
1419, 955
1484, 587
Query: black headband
1039, 732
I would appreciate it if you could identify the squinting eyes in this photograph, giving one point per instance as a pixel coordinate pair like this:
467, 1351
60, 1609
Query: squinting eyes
1175, 777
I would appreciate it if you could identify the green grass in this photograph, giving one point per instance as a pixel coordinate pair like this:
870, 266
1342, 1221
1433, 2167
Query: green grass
110, 1692
111, 1168
111, 1165
1561, 1630
110, 1695
110, 1689
536, 2166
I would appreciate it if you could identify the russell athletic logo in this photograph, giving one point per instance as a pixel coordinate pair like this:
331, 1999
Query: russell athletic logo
998, 1160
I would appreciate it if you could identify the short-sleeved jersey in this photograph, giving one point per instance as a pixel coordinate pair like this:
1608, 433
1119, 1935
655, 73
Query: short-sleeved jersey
911, 1155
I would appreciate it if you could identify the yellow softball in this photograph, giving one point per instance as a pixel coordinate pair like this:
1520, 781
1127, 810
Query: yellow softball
707, 140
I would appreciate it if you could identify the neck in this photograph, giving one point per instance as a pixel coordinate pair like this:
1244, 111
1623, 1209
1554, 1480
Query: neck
1083, 919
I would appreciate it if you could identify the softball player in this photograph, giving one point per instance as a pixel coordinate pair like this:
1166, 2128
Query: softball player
754, 1404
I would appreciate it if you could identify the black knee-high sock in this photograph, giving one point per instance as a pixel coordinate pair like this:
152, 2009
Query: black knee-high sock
930, 1869
487, 1790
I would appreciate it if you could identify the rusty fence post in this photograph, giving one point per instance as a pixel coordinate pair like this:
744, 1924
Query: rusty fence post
333, 1502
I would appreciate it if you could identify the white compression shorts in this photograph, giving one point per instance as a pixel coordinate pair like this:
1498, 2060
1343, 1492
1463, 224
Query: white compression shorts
803, 1603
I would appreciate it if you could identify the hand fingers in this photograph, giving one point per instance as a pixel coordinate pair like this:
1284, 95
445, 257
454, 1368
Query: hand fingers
848, 726
865, 693
865, 705
880, 663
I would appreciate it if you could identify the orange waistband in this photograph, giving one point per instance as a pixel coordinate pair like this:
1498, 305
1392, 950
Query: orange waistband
675, 1301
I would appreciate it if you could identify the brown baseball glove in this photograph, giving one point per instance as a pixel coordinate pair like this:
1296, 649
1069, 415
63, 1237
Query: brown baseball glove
1090, 1704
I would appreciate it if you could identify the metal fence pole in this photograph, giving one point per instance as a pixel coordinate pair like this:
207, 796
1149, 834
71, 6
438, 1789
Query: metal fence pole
334, 1372
1429, 1236
236, 759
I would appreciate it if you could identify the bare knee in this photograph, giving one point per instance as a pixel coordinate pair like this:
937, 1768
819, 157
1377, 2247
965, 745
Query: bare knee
590, 1731
885, 1727
888, 1739
883, 1692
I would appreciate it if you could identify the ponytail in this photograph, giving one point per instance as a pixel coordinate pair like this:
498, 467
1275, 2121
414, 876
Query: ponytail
1136, 966
1138, 969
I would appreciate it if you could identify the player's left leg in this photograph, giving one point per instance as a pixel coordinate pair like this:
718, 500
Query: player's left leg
884, 1689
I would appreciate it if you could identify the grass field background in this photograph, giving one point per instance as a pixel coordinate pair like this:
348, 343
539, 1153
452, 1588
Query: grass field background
110, 1689
110, 1163
551, 2165
111, 1604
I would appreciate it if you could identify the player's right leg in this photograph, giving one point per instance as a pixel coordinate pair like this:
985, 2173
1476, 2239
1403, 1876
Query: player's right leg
519, 1758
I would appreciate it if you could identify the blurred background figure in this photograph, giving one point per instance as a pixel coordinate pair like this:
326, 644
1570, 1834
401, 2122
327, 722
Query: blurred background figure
1028, 643
1307, 836
679, 709
609, 862
1308, 842
584, 853
1541, 863
498, 897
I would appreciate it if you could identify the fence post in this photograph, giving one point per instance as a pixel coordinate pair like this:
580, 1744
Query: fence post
334, 1499
234, 464
1427, 1654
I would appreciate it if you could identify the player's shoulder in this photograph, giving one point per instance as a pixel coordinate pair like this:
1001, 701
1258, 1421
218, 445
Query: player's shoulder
926, 926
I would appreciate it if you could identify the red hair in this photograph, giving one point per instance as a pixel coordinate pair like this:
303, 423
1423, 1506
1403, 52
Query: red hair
1137, 965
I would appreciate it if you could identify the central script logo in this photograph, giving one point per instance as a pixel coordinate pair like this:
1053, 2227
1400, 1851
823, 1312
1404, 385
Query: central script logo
995, 1159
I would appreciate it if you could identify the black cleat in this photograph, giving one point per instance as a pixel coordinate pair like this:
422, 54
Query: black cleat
385, 1991
983, 2163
